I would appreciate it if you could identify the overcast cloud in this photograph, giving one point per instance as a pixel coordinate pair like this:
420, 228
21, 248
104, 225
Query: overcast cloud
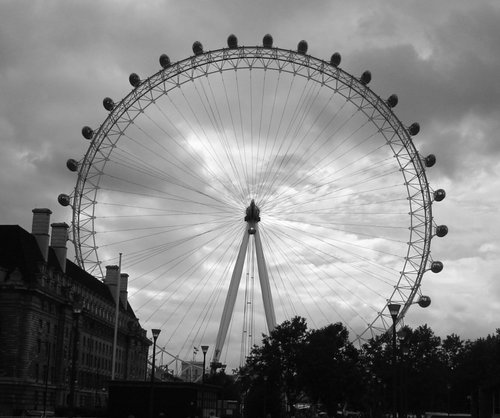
59, 59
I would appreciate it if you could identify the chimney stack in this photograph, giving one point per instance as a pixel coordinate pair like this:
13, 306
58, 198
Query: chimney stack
40, 230
123, 289
111, 279
58, 242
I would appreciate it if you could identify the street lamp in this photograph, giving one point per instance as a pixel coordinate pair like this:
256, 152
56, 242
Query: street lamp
156, 333
204, 349
403, 350
77, 310
394, 311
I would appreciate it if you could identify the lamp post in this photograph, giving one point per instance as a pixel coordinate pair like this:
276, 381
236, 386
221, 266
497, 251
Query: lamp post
77, 310
156, 333
394, 311
204, 349
403, 350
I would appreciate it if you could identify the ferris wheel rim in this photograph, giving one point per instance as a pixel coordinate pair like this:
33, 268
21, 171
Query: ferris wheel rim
319, 68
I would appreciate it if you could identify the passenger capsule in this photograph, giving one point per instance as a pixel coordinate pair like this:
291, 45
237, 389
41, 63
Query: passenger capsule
72, 165
63, 199
439, 195
335, 59
134, 80
441, 231
164, 61
267, 41
424, 301
436, 266
197, 48
302, 47
87, 132
414, 129
430, 160
108, 104
392, 100
366, 77
232, 41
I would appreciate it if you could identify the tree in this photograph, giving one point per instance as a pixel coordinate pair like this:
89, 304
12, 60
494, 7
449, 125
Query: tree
269, 376
296, 365
329, 369
376, 357
453, 350
424, 370
478, 370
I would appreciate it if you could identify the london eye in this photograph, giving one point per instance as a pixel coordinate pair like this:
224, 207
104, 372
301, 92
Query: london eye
249, 184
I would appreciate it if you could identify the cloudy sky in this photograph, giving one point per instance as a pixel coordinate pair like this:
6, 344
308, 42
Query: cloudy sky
59, 59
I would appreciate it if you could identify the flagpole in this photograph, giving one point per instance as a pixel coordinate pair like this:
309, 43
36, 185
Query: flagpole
117, 311
191, 368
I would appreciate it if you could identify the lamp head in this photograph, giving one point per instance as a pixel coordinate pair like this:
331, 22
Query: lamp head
394, 309
155, 332
204, 348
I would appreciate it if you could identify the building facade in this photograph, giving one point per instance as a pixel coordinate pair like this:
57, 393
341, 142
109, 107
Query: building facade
57, 325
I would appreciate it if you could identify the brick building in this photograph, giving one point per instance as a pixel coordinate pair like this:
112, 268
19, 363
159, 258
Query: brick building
40, 291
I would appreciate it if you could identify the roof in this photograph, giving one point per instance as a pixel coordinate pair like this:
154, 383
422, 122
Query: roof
93, 284
19, 249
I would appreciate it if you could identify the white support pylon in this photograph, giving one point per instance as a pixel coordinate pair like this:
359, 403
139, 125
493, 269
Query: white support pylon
230, 299
252, 219
267, 298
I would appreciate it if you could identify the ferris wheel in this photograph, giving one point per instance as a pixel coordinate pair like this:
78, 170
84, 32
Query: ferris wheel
260, 178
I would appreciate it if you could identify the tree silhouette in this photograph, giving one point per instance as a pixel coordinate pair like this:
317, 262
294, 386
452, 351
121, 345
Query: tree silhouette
294, 365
